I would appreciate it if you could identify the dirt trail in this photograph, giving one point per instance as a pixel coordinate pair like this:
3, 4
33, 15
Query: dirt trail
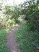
11, 41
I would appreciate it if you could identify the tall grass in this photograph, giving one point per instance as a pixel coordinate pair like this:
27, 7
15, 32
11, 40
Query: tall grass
26, 39
3, 34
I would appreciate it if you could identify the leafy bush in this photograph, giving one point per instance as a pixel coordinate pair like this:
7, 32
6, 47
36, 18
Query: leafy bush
3, 47
26, 39
31, 11
7, 24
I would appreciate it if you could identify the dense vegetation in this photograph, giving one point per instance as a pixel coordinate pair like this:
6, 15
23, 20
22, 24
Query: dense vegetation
3, 47
28, 35
31, 12
27, 39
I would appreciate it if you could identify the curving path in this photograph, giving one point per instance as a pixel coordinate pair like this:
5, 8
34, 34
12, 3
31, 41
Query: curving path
11, 41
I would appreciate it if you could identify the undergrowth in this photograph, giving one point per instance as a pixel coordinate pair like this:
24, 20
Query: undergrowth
3, 34
26, 39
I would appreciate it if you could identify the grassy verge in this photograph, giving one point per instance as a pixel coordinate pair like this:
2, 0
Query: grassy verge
26, 39
3, 34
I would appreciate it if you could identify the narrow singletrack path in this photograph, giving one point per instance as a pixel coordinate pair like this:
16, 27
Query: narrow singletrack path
11, 40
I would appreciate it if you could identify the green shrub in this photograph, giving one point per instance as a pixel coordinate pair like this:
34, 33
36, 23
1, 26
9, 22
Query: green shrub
26, 39
3, 47
31, 13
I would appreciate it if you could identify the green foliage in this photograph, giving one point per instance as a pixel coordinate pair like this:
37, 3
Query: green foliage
7, 23
27, 38
14, 12
3, 34
31, 11
28, 35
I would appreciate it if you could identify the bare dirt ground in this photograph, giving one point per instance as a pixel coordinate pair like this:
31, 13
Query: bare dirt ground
11, 40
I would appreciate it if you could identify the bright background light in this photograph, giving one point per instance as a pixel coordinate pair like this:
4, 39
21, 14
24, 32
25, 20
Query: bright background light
12, 2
